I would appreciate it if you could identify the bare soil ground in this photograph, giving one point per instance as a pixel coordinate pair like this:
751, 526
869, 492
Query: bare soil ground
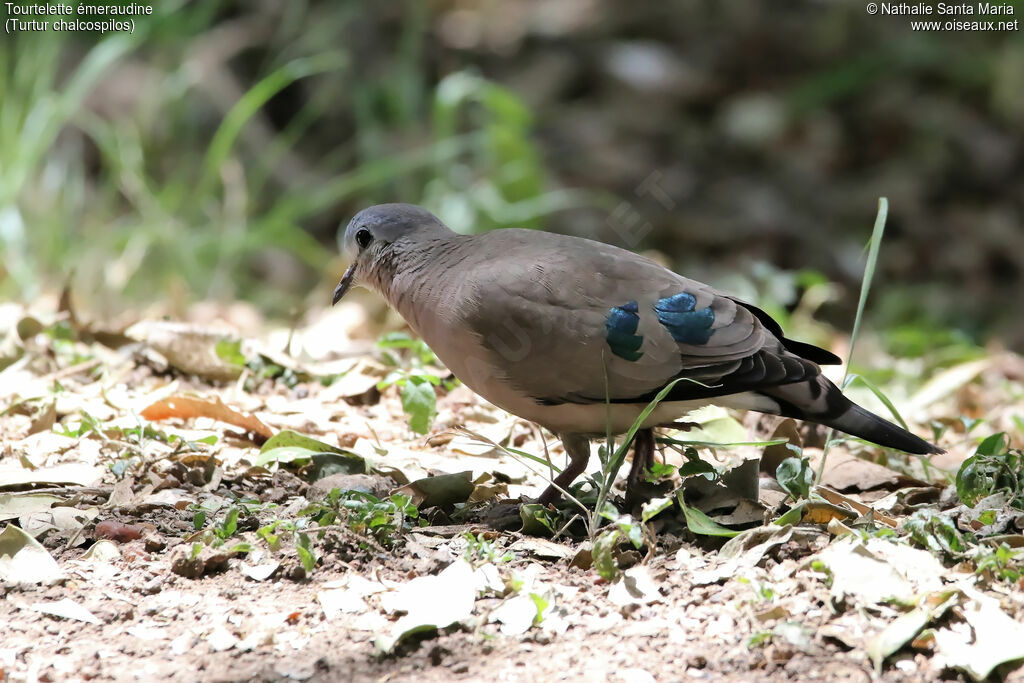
119, 559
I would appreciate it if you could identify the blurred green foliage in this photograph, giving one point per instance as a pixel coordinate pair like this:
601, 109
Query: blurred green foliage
187, 189
213, 153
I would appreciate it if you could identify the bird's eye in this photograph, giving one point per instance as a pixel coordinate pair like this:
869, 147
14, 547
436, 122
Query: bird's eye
363, 238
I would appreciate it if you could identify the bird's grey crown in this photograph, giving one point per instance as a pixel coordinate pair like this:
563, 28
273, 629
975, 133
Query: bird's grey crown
391, 222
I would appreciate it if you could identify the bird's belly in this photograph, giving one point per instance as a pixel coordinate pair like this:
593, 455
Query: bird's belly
474, 368
599, 419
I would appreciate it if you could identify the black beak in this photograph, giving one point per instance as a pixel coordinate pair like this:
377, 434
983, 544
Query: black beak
346, 282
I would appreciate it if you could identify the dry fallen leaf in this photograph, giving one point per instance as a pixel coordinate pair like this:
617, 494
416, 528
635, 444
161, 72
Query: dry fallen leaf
44, 419
837, 498
190, 348
186, 407
430, 602
858, 574
13, 505
516, 614
993, 638
847, 472
66, 609
113, 530
636, 588
24, 560
102, 551
15, 476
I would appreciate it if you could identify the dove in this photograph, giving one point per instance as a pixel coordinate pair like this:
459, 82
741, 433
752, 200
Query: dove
579, 336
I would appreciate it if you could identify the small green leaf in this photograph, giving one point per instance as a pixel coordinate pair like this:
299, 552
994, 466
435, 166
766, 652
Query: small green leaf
290, 446
652, 508
992, 468
119, 467
283, 454
609, 512
442, 490
658, 471
287, 437
631, 530
604, 554
230, 524
542, 605
272, 540
795, 476
304, 549
419, 401
230, 351
936, 532
699, 523
993, 445
792, 517
694, 467
537, 520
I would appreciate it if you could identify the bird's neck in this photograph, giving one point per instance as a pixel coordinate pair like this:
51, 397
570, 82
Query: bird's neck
415, 278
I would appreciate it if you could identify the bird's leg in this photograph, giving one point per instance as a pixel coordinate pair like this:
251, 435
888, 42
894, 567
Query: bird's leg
577, 447
643, 458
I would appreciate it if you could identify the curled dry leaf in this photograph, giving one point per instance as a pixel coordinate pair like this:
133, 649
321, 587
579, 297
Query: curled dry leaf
837, 498
102, 551
444, 489
116, 531
24, 560
192, 349
186, 407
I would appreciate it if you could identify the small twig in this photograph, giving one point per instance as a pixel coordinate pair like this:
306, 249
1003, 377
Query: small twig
567, 525
74, 490
72, 370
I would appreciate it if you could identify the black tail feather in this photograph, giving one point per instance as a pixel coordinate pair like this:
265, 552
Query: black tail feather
819, 400
862, 423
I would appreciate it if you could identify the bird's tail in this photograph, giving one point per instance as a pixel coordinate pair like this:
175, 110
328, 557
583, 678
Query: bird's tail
819, 400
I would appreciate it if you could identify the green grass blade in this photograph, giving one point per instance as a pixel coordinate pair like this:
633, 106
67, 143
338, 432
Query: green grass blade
869, 274
865, 288
615, 460
252, 101
851, 378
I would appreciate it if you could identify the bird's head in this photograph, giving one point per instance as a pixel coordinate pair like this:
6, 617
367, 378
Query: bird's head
373, 235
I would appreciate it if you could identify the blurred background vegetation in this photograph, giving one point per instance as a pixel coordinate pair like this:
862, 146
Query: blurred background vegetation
213, 153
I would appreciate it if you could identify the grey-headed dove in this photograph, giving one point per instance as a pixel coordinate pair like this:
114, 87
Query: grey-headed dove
579, 336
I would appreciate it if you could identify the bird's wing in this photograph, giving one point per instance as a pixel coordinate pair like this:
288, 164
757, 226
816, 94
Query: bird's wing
566, 320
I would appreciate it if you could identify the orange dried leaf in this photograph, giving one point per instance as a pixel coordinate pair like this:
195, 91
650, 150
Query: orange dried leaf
840, 499
185, 407
117, 531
